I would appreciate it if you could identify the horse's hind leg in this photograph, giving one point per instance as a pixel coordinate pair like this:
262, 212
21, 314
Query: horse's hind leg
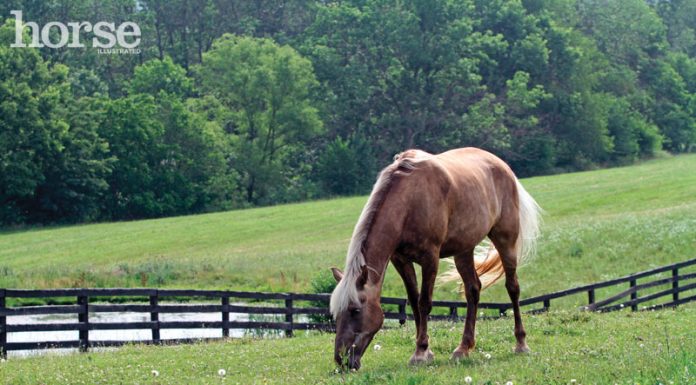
472, 287
505, 245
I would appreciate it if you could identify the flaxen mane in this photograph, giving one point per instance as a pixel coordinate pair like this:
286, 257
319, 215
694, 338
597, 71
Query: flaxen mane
346, 290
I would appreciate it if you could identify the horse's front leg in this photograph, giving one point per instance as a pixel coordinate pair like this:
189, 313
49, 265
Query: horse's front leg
423, 353
472, 287
408, 275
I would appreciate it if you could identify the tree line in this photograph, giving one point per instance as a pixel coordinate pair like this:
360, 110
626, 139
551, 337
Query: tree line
232, 104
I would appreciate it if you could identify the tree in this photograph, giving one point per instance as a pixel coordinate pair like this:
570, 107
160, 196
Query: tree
267, 89
53, 164
170, 158
156, 76
347, 167
399, 73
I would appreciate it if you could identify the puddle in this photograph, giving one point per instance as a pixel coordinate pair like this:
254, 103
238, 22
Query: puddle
114, 335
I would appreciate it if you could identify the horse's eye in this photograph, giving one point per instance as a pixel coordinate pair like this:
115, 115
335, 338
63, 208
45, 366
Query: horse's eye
355, 312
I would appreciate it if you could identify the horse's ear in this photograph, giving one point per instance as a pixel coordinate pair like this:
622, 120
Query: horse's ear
338, 274
362, 279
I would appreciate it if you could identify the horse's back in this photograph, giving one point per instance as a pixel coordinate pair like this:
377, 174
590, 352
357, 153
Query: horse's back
464, 161
468, 188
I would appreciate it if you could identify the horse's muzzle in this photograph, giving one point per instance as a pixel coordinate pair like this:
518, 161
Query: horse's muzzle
350, 361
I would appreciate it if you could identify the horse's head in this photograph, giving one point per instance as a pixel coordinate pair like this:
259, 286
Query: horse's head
358, 322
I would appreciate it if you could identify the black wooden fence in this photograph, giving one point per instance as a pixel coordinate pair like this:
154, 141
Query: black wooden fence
283, 307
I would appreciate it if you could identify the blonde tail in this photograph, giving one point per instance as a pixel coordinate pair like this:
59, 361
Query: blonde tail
489, 266
530, 223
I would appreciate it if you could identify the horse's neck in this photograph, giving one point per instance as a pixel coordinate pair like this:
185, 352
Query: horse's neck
381, 244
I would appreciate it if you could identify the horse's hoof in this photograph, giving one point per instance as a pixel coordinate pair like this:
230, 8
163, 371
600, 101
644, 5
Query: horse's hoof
423, 358
522, 349
459, 354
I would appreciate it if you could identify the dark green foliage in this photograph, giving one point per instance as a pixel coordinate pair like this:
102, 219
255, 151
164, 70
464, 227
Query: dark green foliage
323, 282
632, 135
157, 76
168, 157
347, 167
235, 104
53, 164
266, 90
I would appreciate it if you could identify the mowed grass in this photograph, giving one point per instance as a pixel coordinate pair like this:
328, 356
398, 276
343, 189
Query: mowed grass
616, 348
597, 225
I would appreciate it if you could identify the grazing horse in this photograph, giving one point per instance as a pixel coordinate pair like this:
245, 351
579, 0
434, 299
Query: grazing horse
424, 207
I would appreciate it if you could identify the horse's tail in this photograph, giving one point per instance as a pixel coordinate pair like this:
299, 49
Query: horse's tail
530, 222
487, 261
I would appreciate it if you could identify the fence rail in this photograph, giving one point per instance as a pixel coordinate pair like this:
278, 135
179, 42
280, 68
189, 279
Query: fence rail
87, 303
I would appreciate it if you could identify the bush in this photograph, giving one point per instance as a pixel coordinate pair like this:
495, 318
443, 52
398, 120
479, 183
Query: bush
347, 167
323, 282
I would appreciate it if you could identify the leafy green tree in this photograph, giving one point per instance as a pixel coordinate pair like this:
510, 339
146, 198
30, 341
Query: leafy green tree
169, 160
76, 177
156, 76
401, 73
679, 17
267, 89
347, 167
52, 162
672, 106
626, 31
633, 136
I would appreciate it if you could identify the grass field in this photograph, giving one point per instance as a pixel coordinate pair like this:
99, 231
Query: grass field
598, 225
617, 348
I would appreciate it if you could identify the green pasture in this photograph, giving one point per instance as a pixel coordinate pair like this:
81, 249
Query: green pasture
597, 225
616, 348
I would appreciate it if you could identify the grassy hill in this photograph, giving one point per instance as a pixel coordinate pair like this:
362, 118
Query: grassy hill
598, 225
617, 348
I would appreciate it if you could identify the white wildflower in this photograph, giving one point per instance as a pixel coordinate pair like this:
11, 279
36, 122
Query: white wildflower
155, 373
378, 347
488, 356
573, 381
509, 383
222, 372
468, 379
642, 345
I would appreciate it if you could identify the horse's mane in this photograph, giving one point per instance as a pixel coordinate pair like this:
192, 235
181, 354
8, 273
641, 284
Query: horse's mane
346, 291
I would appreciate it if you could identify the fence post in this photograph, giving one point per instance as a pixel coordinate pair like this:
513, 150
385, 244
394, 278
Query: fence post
402, 312
675, 284
225, 316
590, 296
3, 326
154, 317
547, 304
453, 313
288, 315
634, 295
83, 319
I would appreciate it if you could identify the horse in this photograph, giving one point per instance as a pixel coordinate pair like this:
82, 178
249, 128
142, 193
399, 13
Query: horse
424, 207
